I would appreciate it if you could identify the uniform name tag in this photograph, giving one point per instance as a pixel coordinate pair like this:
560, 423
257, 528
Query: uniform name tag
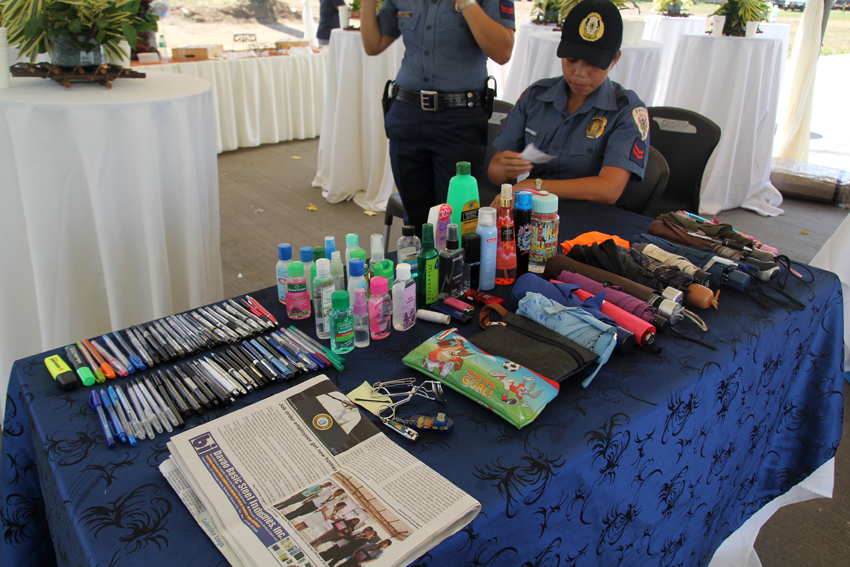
530, 131
404, 14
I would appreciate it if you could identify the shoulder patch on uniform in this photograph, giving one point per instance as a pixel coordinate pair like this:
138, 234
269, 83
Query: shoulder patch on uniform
641, 117
506, 10
638, 152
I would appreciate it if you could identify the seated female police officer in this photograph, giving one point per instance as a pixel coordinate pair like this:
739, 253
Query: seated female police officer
597, 130
447, 43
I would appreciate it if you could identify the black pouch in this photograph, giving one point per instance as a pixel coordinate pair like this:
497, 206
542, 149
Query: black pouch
389, 96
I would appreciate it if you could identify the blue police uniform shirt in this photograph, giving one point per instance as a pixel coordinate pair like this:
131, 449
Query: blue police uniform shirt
611, 128
328, 17
440, 52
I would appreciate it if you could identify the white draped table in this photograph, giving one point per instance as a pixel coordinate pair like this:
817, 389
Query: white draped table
517, 75
637, 69
667, 30
260, 100
734, 81
109, 213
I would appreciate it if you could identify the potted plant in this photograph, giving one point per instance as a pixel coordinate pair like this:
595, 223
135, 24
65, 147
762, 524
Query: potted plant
546, 12
355, 7
566, 6
67, 28
739, 12
671, 8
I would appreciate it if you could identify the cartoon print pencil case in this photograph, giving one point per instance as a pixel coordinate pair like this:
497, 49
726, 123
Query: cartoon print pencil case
511, 390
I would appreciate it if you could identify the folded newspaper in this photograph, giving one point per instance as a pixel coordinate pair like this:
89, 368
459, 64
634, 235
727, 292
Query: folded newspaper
303, 478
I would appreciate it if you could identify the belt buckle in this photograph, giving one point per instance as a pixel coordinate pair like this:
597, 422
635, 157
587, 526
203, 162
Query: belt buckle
428, 100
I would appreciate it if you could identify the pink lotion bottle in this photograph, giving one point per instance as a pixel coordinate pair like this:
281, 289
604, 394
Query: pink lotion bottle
380, 309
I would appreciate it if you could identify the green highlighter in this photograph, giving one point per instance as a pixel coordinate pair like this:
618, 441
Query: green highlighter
80, 366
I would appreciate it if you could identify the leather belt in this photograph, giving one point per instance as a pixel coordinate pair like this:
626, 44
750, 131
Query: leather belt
433, 100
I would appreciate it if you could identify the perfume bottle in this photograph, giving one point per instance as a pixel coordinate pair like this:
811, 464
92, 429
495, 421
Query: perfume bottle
506, 247
451, 265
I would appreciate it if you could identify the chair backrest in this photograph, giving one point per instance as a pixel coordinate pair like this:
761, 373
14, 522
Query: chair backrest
486, 190
640, 196
686, 139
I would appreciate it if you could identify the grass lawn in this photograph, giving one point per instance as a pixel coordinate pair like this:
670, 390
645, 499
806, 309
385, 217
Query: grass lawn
836, 40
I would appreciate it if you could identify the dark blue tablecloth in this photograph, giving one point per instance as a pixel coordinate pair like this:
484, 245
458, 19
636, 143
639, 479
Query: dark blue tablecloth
656, 463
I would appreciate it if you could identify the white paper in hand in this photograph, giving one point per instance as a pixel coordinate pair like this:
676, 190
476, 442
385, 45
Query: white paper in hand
532, 154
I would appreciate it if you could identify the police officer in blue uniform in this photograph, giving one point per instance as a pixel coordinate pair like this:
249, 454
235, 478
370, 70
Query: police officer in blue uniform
597, 130
438, 116
328, 19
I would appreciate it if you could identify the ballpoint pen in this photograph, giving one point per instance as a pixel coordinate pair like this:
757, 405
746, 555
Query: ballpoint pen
156, 350
257, 312
116, 365
247, 367
97, 405
104, 366
247, 317
195, 344
263, 323
223, 381
116, 352
269, 357
259, 362
237, 366
83, 371
225, 365
167, 343
203, 391
166, 382
149, 412
204, 336
98, 373
222, 375
172, 416
191, 402
140, 410
121, 402
229, 328
261, 309
308, 348
223, 395
146, 399
246, 330
290, 355
134, 358
293, 346
137, 341
168, 395
177, 343
220, 336
117, 428
321, 351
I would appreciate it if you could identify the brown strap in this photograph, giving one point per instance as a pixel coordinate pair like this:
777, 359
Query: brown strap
484, 316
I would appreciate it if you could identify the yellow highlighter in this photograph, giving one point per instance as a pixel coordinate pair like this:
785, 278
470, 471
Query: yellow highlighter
63, 375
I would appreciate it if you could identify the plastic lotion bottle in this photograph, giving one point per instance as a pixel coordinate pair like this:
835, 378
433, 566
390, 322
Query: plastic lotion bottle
284, 255
408, 247
451, 266
404, 299
352, 241
297, 296
463, 199
377, 243
337, 271
506, 250
318, 254
361, 319
428, 286
359, 253
355, 278
522, 228
544, 230
380, 309
440, 216
489, 241
323, 288
341, 320
307, 259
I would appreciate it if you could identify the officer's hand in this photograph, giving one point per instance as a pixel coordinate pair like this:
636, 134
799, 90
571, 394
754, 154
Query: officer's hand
512, 165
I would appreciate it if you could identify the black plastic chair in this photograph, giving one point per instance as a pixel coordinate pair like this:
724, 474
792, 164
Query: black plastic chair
686, 139
640, 196
486, 190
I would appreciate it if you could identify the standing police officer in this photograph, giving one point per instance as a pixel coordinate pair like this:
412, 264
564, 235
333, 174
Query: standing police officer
438, 116
597, 130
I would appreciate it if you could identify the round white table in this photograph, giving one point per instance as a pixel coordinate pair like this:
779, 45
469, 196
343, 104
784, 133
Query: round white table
517, 75
734, 81
260, 100
637, 69
667, 31
109, 209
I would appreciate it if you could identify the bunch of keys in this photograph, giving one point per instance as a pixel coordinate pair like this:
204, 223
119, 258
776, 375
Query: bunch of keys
402, 391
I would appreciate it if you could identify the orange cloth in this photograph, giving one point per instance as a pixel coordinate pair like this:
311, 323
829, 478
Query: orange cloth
589, 238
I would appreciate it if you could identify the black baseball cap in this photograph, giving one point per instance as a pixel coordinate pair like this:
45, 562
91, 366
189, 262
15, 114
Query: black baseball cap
592, 31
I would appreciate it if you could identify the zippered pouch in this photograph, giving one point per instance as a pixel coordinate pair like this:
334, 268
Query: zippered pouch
530, 344
512, 391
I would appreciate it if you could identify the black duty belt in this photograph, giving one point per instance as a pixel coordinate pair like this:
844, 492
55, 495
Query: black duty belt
433, 100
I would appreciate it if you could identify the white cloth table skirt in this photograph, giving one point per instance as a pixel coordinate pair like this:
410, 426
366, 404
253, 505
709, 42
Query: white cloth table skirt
637, 69
517, 75
835, 257
734, 81
260, 100
353, 161
666, 31
109, 213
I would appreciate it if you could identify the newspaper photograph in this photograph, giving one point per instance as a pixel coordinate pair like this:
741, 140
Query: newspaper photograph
304, 478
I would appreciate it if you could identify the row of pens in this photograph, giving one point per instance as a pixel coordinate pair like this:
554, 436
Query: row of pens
163, 399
